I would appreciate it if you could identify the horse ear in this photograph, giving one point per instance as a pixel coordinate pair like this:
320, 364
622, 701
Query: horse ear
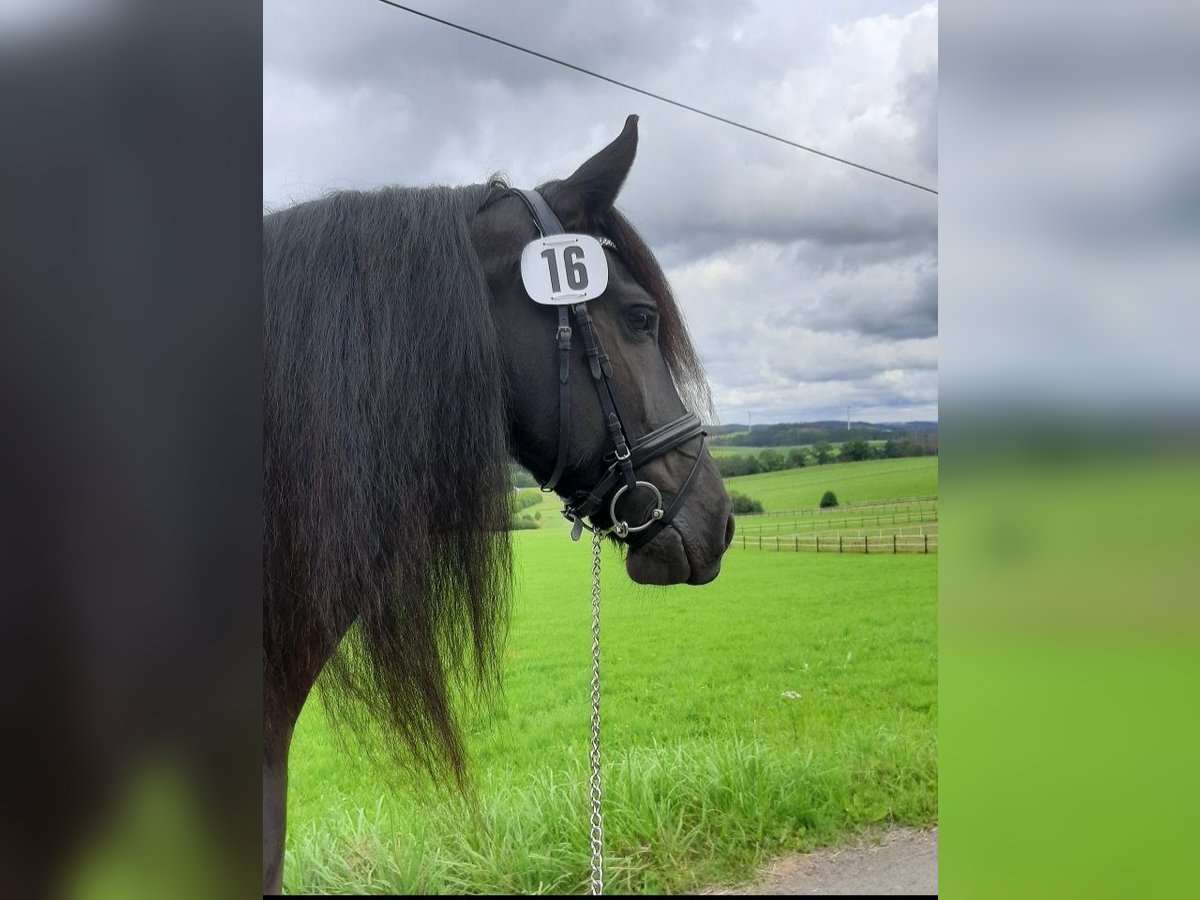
590, 191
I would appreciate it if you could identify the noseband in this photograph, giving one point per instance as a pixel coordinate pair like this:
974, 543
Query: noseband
626, 457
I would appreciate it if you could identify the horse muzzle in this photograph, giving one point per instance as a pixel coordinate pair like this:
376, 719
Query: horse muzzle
688, 551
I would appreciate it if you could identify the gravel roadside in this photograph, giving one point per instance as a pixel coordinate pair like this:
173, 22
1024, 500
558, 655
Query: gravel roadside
901, 861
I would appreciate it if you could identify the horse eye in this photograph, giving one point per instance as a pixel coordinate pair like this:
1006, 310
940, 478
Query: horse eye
641, 320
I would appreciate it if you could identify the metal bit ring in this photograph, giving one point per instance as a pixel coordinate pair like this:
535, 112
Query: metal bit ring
622, 528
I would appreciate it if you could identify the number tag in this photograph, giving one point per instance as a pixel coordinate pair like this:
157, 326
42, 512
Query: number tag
564, 268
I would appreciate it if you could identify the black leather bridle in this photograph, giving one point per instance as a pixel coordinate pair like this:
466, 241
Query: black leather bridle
626, 457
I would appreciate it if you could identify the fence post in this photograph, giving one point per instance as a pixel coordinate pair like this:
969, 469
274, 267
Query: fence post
796, 543
760, 542
776, 543
839, 543
927, 542
866, 544
818, 543
743, 540
893, 545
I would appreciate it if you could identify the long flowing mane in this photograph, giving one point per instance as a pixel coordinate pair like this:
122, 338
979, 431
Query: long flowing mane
385, 460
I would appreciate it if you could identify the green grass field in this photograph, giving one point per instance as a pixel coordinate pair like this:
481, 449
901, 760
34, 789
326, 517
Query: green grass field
852, 482
789, 704
791, 489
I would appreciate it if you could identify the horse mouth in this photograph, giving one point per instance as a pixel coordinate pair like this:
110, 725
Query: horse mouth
670, 559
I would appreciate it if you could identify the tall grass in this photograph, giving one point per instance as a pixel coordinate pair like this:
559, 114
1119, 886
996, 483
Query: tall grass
675, 818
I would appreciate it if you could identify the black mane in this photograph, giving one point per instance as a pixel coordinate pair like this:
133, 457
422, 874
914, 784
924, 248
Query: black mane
385, 459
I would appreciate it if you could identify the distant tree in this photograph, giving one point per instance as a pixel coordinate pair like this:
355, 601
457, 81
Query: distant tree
725, 465
828, 499
771, 460
821, 450
519, 500
856, 450
733, 466
743, 504
522, 478
796, 459
791, 434
911, 444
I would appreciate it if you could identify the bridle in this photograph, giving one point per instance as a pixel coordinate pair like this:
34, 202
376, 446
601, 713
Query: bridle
626, 457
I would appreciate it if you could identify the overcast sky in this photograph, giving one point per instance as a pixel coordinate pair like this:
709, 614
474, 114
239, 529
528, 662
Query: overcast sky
808, 286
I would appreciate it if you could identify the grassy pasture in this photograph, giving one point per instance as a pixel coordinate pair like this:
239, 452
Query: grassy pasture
863, 515
792, 489
549, 505
852, 482
787, 705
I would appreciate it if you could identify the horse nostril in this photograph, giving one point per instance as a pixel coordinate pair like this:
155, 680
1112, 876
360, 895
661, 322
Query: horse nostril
729, 532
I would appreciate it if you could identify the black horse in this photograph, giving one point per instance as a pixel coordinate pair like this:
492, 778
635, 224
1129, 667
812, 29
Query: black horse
405, 365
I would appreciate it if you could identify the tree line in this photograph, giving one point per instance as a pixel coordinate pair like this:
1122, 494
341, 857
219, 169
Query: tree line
787, 434
823, 453
915, 443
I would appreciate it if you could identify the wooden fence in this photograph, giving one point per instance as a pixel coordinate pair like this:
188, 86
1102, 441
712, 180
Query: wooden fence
765, 524
816, 543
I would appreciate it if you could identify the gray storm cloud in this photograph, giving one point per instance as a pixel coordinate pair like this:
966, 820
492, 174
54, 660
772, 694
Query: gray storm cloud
807, 284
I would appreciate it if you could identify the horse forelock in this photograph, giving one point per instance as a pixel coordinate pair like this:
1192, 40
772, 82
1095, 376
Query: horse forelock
673, 338
386, 460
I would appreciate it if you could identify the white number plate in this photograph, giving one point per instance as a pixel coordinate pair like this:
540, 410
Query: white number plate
564, 268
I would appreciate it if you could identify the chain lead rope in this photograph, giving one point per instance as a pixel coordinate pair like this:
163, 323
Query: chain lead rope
597, 835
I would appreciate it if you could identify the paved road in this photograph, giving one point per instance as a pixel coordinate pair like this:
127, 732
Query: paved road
899, 861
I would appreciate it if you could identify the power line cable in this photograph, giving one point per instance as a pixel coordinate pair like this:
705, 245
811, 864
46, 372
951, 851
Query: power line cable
630, 87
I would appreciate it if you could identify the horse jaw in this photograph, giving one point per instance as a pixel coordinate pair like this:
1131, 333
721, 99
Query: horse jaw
667, 560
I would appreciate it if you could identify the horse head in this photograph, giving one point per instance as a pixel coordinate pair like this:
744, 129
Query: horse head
627, 361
